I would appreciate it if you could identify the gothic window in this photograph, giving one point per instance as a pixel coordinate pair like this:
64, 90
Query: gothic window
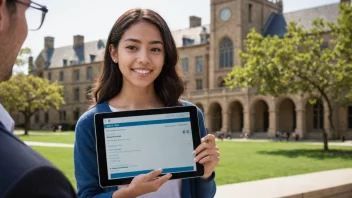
350, 117
318, 116
226, 53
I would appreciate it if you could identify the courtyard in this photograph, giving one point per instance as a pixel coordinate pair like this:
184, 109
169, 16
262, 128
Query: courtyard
241, 160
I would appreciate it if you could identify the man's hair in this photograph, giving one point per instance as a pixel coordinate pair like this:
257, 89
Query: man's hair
11, 6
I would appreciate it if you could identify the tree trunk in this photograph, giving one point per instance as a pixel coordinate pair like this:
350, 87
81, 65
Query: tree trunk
331, 127
27, 120
325, 133
325, 138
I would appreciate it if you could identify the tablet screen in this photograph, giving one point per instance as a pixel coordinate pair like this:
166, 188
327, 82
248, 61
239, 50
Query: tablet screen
131, 148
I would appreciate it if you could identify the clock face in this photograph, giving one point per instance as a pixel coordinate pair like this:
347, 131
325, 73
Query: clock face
225, 14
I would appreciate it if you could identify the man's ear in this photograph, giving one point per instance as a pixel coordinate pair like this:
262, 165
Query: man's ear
113, 53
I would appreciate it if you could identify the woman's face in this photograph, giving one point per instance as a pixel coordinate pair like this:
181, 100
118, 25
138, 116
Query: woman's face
140, 55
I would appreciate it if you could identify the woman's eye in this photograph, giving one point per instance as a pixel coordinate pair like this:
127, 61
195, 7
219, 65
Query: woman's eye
131, 47
156, 49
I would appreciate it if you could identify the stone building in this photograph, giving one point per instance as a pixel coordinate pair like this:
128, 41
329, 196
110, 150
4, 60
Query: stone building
206, 54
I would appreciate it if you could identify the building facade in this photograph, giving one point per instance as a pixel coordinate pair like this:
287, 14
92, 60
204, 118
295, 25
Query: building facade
206, 54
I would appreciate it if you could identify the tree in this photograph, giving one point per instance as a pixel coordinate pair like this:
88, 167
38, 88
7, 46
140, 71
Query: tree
21, 61
30, 94
301, 62
22, 56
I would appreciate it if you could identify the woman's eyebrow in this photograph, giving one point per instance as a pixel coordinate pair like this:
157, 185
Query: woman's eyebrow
138, 41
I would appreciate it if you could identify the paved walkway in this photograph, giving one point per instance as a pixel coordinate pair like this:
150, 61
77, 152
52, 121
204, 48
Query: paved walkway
48, 144
331, 142
320, 182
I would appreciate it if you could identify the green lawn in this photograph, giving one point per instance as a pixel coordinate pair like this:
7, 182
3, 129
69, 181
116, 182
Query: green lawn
62, 158
246, 161
61, 137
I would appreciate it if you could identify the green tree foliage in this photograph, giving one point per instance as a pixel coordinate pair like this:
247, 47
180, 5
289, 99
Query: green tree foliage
30, 94
22, 56
301, 62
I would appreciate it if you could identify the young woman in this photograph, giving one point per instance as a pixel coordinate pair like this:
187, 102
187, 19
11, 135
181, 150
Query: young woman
139, 73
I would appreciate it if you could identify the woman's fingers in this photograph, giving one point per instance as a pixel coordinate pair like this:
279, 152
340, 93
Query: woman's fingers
207, 152
151, 175
209, 158
202, 147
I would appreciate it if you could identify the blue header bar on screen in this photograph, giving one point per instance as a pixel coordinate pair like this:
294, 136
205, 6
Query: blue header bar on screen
164, 171
147, 122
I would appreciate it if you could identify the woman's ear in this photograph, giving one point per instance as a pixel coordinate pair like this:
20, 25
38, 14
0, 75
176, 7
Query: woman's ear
113, 53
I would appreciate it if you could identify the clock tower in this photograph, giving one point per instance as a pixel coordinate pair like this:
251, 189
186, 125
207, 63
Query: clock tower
231, 20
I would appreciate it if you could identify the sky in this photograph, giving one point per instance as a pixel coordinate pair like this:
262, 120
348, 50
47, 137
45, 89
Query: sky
93, 19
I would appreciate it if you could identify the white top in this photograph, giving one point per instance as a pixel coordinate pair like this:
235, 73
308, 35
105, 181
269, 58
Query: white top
6, 120
171, 189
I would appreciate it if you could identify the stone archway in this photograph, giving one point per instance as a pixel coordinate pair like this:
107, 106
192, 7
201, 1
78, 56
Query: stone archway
215, 113
287, 116
200, 106
314, 118
236, 121
260, 116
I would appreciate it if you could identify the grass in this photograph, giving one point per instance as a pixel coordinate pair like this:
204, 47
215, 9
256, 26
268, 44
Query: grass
62, 158
240, 161
246, 161
55, 137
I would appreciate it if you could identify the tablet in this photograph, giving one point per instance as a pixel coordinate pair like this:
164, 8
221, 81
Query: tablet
130, 143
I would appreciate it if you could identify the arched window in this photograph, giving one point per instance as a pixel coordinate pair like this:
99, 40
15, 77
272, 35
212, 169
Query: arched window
226, 53
350, 117
221, 83
76, 114
318, 115
89, 93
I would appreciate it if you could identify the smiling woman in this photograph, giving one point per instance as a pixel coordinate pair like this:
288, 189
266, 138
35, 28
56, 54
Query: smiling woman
140, 43
139, 55
139, 72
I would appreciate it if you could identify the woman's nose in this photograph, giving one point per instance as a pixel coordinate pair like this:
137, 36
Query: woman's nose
143, 57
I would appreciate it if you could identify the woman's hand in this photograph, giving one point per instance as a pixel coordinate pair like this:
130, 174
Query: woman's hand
142, 184
207, 153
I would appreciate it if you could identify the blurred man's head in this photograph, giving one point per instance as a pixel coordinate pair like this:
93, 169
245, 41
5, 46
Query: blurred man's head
13, 32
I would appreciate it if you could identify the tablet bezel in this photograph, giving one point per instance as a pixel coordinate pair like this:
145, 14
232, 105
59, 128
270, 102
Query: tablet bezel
100, 141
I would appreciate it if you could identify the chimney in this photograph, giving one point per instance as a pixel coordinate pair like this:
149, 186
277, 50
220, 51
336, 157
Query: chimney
48, 42
78, 40
30, 65
30, 61
195, 21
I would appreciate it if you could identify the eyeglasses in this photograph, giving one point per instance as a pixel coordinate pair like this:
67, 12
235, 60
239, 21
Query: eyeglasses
35, 19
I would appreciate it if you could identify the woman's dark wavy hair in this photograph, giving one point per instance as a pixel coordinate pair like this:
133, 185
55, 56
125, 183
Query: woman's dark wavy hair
168, 85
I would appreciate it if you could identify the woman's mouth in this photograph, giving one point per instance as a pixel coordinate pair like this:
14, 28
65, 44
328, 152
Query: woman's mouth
142, 72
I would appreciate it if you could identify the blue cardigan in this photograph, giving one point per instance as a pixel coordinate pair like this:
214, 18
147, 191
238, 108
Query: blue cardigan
86, 168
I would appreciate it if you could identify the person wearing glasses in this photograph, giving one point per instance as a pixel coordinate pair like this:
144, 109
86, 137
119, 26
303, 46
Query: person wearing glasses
23, 172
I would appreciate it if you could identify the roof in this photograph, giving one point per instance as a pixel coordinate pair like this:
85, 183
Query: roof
276, 25
191, 34
55, 57
83, 54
